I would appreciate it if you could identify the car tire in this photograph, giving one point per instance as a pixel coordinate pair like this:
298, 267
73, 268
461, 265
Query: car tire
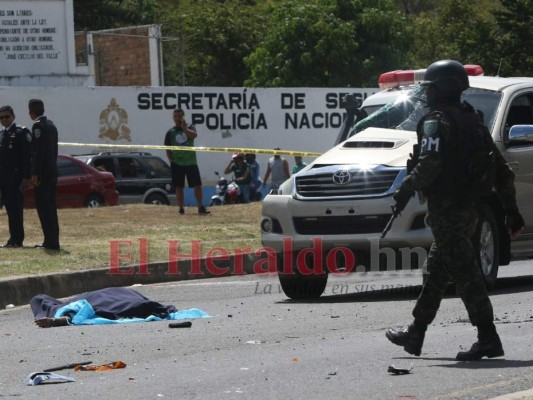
94, 201
301, 287
157, 199
487, 235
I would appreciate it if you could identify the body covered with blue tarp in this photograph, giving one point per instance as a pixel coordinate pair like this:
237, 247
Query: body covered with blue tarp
109, 305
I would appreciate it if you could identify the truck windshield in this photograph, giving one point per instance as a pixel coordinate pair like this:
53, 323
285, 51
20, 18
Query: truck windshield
409, 107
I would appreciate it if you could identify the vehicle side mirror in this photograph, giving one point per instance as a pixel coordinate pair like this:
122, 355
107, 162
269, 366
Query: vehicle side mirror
520, 134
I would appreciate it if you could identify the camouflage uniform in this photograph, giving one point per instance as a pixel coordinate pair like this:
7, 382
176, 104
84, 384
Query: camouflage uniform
452, 210
458, 164
453, 257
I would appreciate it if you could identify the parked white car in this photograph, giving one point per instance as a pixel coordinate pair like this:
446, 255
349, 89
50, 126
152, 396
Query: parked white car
330, 215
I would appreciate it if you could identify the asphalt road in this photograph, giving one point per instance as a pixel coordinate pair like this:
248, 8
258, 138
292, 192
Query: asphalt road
260, 345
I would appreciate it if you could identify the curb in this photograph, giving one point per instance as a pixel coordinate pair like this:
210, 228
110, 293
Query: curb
19, 291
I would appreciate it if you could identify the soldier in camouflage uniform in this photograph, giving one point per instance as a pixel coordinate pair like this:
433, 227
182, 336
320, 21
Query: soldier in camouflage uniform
443, 135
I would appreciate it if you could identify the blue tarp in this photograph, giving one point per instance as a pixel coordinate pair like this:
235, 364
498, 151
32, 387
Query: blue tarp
82, 313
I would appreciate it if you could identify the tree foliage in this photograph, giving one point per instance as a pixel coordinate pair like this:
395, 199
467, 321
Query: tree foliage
515, 35
106, 14
415, 7
209, 40
328, 43
320, 43
453, 30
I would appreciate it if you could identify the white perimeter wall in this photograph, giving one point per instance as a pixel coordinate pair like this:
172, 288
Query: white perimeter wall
299, 119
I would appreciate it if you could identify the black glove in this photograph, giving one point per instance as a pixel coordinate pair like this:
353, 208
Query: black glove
402, 197
514, 222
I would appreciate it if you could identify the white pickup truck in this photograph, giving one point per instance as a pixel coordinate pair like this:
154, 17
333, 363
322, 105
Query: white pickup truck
329, 217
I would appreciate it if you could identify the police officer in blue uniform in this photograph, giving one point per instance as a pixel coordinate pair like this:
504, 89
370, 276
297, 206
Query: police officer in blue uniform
15, 172
44, 173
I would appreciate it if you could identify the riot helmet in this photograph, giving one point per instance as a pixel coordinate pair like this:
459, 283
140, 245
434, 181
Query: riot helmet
446, 76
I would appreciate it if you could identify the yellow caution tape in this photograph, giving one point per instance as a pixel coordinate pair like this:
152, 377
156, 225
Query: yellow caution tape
185, 148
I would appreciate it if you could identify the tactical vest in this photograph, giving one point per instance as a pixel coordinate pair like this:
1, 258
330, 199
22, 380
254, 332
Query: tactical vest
467, 156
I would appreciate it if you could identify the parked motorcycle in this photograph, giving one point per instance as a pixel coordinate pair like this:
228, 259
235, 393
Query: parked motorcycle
225, 192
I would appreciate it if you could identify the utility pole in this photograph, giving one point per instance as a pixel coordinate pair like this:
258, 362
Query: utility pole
182, 53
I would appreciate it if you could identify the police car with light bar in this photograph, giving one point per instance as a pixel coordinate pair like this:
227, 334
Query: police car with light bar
329, 216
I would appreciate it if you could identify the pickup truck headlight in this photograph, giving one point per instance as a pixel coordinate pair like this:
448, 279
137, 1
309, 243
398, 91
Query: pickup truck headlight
285, 188
398, 181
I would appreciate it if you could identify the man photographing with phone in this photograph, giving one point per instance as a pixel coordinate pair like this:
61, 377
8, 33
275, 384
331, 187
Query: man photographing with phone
183, 163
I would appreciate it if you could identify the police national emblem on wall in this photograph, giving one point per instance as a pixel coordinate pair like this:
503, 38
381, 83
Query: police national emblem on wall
114, 123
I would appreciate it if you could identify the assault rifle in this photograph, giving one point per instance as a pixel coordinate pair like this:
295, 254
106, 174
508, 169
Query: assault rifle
395, 212
396, 207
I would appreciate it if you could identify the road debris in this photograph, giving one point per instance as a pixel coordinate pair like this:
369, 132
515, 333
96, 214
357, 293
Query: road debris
186, 324
38, 378
67, 366
103, 367
399, 371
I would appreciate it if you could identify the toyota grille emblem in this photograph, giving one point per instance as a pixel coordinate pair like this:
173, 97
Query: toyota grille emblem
342, 177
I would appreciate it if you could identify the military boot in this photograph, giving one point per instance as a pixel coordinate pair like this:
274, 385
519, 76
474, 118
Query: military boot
488, 347
410, 338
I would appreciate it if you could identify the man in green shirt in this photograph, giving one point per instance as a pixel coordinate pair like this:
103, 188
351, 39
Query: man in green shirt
183, 163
